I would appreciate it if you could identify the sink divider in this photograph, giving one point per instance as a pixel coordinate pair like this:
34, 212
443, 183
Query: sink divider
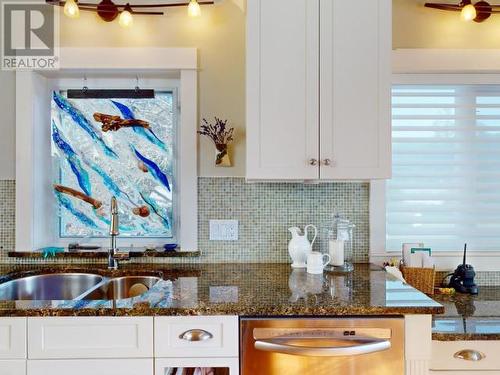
105, 280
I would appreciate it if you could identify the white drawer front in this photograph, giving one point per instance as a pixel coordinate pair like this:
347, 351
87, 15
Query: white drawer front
465, 372
223, 343
13, 367
12, 338
91, 367
166, 366
90, 337
443, 355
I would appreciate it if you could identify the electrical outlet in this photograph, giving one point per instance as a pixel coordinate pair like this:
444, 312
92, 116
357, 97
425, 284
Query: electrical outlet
223, 230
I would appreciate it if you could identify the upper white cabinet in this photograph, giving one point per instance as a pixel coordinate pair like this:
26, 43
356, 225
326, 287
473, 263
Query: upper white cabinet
318, 90
355, 75
282, 89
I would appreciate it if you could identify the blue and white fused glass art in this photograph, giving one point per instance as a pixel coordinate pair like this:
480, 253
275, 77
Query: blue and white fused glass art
114, 147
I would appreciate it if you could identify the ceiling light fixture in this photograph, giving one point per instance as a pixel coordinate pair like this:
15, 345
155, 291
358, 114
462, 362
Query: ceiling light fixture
477, 12
194, 9
468, 12
71, 9
108, 10
126, 19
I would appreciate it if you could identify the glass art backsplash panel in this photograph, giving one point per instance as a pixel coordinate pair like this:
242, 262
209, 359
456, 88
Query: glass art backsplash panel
114, 147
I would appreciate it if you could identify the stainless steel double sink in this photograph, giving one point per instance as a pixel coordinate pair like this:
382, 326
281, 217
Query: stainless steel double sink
75, 286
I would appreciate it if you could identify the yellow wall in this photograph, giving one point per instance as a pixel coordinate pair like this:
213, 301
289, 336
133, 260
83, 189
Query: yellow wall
220, 37
415, 26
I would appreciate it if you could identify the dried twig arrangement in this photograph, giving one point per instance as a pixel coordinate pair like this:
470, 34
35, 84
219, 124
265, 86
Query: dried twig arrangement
221, 135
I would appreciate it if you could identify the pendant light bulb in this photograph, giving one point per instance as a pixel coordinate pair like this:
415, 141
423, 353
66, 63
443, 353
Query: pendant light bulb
126, 20
194, 9
71, 9
468, 13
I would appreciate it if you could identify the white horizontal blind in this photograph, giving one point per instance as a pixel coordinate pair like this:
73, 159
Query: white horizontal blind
445, 189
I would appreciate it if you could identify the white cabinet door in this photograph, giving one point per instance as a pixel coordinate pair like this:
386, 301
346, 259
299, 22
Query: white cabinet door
464, 372
13, 367
90, 337
12, 338
355, 71
91, 367
222, 366
443, 356
282, 89
179, 337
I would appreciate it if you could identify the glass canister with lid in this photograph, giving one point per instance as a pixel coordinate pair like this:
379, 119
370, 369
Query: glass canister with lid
340, 244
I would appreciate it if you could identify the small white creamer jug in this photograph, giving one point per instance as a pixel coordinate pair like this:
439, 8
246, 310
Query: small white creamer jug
316, 262
299, 246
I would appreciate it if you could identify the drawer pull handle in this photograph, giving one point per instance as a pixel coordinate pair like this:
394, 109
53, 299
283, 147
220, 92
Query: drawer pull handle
196, 335
469, 355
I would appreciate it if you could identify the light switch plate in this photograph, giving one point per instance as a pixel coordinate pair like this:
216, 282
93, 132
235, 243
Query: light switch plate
223, 230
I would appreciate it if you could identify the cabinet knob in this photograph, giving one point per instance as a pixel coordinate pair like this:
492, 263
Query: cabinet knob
196, 335
313, 162
469, 355
327, 162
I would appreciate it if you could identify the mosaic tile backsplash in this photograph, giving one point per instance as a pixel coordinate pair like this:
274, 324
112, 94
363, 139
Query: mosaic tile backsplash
264, 210
7, 217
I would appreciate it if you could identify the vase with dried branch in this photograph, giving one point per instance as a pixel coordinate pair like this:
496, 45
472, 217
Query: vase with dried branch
221, 135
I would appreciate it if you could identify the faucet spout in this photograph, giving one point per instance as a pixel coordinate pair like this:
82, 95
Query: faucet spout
113, 233
114, 224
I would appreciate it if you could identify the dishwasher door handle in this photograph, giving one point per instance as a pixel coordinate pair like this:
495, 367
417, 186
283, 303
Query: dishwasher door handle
280, 346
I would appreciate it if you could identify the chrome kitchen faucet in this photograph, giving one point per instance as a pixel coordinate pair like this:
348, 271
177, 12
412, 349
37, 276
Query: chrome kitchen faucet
114, 231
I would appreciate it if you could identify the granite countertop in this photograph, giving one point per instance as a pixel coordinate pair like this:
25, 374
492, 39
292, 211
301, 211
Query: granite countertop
236, 289
469, 317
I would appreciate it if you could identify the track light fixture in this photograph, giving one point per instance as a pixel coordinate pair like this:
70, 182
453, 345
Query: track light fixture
108, 10
477, 12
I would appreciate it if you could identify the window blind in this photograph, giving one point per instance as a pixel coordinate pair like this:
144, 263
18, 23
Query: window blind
445, 189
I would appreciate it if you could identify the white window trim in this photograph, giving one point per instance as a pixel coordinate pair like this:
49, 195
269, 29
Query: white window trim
154, 66
432, 66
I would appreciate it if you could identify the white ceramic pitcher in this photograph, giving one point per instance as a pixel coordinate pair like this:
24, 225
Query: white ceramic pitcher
299, 246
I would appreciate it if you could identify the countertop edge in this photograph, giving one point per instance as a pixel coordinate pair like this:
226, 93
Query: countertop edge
241, 312
446, 336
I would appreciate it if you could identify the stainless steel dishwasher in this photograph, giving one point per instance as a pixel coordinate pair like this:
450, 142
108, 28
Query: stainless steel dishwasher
360, 346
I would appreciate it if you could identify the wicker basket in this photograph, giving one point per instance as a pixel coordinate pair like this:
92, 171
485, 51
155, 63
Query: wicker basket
420, 278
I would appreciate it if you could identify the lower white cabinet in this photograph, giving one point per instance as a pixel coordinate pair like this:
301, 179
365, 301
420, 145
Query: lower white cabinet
12, 338
90, 337
12, 367
91, 367
196, 336
118, 345
444, 359
209, 342
464, 372
221, 366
